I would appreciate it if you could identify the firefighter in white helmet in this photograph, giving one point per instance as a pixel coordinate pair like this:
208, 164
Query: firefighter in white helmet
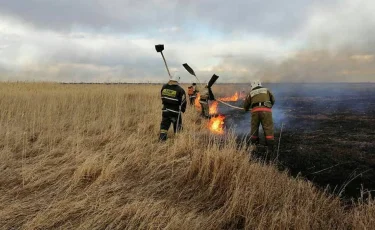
260, 100
174, 102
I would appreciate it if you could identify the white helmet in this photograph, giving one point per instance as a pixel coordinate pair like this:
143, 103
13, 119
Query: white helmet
255, 83
175, 78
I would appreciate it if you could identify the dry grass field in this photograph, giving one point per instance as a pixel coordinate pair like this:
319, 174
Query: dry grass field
87, 157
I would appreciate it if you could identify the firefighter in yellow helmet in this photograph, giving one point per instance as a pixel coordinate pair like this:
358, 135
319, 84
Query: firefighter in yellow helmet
260, 100
174, 102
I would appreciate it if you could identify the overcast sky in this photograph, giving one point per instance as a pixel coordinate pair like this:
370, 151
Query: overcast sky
113, 40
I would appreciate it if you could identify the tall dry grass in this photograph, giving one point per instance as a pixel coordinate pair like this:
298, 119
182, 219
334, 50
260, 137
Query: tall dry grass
87, 157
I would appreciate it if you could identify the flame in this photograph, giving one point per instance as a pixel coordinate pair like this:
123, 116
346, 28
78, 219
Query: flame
213, 108
216, 124
196, 102
231, 98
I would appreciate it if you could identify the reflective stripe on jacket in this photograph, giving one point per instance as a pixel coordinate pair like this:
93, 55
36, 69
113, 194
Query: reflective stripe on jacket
173, 96
259, 95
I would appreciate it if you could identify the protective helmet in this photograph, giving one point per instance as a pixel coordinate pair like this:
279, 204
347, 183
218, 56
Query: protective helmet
255, 83
175, 78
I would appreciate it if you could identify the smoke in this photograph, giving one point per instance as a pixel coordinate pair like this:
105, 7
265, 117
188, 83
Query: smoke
307, 106
336, 44
342, 65
322, 66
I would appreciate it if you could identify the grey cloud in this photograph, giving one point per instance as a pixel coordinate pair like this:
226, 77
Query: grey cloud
274, 17
340, 49
120, 16
69, 61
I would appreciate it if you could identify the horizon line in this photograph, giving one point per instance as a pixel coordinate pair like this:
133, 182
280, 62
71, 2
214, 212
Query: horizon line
164, 82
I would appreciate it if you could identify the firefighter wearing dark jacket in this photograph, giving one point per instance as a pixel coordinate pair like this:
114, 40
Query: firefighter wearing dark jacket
205, 96
260, 100
192, 93
174, 102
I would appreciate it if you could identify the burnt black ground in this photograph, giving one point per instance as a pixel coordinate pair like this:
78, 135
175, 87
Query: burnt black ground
328, 133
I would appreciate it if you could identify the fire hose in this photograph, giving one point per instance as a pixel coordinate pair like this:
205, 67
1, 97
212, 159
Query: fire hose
235, 107
210, 83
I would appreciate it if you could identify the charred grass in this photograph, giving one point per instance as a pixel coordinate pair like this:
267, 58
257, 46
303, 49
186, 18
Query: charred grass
87, 157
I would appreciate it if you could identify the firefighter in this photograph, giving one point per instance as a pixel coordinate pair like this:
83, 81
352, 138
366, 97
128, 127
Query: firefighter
205, 96
174, 102
260, 100
192, 93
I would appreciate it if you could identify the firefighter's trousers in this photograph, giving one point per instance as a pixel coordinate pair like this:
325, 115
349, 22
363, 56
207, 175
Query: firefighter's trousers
169, 118
265, 119
205, 108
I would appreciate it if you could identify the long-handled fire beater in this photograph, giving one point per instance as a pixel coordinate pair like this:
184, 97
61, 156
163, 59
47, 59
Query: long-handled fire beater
159, 48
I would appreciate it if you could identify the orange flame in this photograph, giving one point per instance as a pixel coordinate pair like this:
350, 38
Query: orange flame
196, 102
231, 98
216, 124
213, 108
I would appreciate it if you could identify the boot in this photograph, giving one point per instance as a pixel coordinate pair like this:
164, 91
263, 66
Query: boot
270, 154
162, 137
252, 151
